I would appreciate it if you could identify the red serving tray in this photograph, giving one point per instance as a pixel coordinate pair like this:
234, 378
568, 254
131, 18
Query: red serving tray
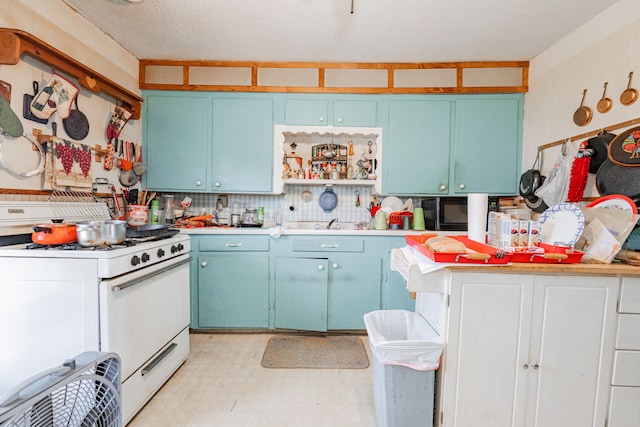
552, 255
481, 253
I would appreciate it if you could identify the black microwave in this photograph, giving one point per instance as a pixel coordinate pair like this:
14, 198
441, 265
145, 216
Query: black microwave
450, 213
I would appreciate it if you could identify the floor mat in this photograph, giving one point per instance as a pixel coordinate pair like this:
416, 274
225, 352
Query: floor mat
315, 352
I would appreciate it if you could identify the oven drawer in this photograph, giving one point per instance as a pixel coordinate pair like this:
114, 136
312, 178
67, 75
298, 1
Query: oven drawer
143, 384
628, 337
630, 296
626, 368
141, 311
234, 243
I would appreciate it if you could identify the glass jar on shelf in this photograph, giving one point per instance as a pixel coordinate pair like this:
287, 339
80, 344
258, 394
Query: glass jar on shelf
169, 214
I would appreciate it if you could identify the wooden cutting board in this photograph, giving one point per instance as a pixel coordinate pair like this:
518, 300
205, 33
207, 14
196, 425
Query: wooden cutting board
629, 257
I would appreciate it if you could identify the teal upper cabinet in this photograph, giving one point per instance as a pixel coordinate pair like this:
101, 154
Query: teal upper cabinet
487, 145
242, 145
452, 145
416, 147
309, 112
218, 142
355, 113
340, 110
177, 142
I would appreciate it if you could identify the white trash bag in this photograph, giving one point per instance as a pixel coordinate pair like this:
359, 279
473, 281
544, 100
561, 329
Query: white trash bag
404, 338
555, 188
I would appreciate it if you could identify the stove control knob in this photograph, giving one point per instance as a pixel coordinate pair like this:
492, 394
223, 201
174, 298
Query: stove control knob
180, 246
145, 257
160, 253
174, 249
135, 260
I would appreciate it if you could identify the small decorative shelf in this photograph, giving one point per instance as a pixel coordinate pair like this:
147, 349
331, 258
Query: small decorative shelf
354, 182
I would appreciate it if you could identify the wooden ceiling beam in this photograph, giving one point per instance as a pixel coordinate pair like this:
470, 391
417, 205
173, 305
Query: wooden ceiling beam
322, 68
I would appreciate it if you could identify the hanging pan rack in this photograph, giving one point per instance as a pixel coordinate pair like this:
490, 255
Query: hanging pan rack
587, 135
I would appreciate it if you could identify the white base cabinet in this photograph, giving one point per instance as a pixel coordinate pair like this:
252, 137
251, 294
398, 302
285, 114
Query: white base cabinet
527, 350
624, 409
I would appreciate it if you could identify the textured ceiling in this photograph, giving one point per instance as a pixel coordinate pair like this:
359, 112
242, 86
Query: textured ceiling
325, 30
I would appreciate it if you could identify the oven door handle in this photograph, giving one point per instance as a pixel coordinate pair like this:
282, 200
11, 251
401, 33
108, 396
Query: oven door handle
126, 285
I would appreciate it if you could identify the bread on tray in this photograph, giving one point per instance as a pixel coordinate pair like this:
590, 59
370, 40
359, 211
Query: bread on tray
445, 244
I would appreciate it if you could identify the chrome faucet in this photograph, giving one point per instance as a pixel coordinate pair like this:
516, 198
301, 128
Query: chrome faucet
331, 223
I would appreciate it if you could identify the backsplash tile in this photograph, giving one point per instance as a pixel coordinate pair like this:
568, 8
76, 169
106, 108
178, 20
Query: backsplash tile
291, 205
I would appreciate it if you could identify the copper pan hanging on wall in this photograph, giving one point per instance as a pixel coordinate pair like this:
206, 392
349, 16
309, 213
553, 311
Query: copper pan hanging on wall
605, 104
629, 95
583, 115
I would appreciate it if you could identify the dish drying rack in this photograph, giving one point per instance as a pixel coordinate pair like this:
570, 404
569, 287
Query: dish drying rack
75, 206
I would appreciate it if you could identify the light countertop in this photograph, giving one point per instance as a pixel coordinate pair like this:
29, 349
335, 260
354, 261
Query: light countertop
281, 231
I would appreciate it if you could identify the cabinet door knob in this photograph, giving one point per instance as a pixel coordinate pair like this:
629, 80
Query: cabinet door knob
217, 184
525, 365
535, 365
339, 120
321, 118
198, 183
462, 186
203, 264
335, 266
320, 267
442, 187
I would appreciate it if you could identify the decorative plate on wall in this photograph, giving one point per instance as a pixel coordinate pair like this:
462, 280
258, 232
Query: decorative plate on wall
328, 200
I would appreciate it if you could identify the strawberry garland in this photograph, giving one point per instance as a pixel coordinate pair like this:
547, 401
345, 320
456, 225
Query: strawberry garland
68, 153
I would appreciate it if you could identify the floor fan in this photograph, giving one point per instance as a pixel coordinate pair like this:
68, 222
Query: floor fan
83, 391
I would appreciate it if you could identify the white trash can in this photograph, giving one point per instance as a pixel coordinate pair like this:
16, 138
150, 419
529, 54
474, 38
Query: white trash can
406, 352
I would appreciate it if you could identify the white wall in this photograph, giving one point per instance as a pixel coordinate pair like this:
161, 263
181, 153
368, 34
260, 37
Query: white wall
605, 49
58, 25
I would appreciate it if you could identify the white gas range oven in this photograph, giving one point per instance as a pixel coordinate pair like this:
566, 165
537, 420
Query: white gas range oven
57, 302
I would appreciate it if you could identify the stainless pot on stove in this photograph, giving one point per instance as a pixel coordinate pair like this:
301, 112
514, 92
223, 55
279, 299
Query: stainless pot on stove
101, 233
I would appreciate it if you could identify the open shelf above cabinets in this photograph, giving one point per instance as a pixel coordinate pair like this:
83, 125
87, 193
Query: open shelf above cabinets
309, 155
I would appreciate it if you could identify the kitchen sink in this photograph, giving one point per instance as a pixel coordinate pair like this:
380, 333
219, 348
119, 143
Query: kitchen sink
322, 226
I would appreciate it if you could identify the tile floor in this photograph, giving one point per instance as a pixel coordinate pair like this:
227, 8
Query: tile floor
222, 384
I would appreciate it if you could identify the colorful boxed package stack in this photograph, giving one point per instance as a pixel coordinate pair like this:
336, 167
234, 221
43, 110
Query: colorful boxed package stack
506, 231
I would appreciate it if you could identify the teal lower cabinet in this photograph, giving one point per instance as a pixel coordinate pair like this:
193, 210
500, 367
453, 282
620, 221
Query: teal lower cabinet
301, 293
233, 291
319, 294
233, 282
303, 282
354, 289
396, 297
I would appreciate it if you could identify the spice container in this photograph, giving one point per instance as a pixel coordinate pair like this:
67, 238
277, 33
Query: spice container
155, 212
137, 214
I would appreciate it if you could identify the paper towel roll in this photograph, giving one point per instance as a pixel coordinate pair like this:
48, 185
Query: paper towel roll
477, 204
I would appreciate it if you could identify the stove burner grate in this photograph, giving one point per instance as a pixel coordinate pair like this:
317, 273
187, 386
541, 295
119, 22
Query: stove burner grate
131, 241
78, 247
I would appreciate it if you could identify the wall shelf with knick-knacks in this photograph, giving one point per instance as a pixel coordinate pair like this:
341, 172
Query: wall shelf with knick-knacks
313, 155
